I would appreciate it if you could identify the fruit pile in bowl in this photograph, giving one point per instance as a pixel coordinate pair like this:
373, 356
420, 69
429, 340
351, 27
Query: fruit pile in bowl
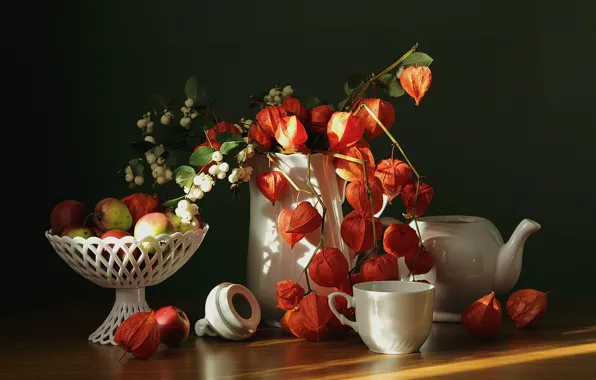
127, 244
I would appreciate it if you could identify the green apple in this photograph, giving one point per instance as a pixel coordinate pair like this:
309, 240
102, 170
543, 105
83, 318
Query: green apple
153, 224
112, 214
78, 231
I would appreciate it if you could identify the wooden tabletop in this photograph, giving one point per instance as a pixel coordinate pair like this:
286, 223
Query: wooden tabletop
52, 344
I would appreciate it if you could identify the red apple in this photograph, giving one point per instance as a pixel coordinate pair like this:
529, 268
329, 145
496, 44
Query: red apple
118, 234
174, 326
67, 214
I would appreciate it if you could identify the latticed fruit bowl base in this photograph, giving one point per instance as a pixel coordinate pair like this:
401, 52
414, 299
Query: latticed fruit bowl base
127, 265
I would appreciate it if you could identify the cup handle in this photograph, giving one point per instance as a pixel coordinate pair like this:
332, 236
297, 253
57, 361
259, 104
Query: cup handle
385, 201
202, 327
342, 319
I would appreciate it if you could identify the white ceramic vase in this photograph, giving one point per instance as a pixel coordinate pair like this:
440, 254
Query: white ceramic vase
270, 258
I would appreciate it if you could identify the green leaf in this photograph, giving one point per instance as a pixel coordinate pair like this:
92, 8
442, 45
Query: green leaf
191, 88
137, 166
228, 136
417, 59
184, 175
310, 102
353, 82
142, 146
159, 150
172, 202
201, 156
391, 85
232, 147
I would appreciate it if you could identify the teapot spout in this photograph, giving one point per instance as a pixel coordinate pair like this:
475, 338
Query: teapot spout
509, 260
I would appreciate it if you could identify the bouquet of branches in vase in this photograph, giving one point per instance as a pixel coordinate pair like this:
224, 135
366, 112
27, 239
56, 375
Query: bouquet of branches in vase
301, 157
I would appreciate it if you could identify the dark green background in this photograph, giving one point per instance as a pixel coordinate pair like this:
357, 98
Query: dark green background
506, 131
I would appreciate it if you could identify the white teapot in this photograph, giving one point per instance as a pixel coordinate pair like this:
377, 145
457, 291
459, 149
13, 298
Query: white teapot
470, 260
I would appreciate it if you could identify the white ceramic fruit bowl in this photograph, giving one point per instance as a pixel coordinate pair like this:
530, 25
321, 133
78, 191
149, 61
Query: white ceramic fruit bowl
127, 265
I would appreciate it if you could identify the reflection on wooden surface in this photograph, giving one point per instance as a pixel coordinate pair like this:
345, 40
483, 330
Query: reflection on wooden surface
54, 346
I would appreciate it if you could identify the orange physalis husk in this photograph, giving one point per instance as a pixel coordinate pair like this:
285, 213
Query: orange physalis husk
416, 81
526, 306
220, 127
217, 146
319, 117
316, 311
293, 105
482, 319
269, 117
290, 133
400, 240
140, 204
353, 171
394, 175
272, 185
357, 195
328, 268
283, 223
356, 230
383, 110
380, 268
408, 197
258, 134
289, 294
285, 320
423, 265
139, 334
297, 323
343, 130
305, 219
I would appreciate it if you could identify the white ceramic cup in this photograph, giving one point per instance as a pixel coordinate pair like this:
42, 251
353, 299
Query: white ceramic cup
392, 317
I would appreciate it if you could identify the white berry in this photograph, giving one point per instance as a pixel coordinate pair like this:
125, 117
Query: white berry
206, 186
268, 99
241, 173
248, 122
186, 190
193, 114
224, 167
241, 157
165, 120
246, 178
248, 170
197, 180
197, 193
288, 90
159, 170
184, 109
150, 157
168, 174
277, 99
150, 125
250, 151
154, 165
273, 92
213, 170
189, 102
142, 123
185, 121
149, 130
194, 209
183, 204
150, 139
129, 177
128, 169
139, 180
160, 160
161, 180
221, 175
233, 178
217, 156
